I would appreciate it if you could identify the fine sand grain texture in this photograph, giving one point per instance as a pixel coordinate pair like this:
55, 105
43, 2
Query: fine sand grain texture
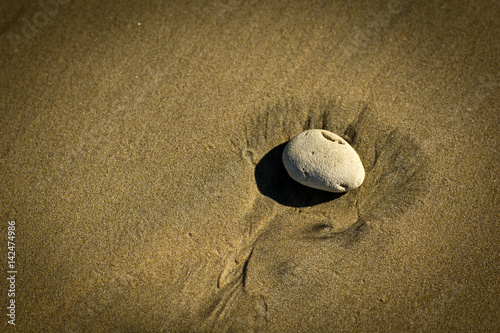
140, 158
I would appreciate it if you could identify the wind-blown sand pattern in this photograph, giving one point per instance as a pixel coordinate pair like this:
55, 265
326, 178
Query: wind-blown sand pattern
286, 212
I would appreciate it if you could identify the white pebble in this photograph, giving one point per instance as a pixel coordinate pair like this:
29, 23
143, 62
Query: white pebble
323, 160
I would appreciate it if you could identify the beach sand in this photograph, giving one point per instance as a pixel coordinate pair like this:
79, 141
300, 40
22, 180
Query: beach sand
140, 158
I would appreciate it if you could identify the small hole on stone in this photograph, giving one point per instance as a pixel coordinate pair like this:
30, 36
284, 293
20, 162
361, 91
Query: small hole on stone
312, 153
327, 136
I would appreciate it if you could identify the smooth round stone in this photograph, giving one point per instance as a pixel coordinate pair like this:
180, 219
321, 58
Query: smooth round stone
323, 160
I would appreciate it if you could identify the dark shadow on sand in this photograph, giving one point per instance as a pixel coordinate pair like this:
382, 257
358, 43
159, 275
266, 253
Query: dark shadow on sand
274, 182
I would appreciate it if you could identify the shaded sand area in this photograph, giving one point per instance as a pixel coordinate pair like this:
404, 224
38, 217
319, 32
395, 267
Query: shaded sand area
140, 149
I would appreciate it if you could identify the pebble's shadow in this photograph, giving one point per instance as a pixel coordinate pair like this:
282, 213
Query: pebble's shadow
274, 182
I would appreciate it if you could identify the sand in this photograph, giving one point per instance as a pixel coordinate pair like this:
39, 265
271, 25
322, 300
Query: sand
140, 147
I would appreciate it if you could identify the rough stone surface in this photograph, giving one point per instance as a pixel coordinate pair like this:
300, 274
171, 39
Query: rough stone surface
323, 160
